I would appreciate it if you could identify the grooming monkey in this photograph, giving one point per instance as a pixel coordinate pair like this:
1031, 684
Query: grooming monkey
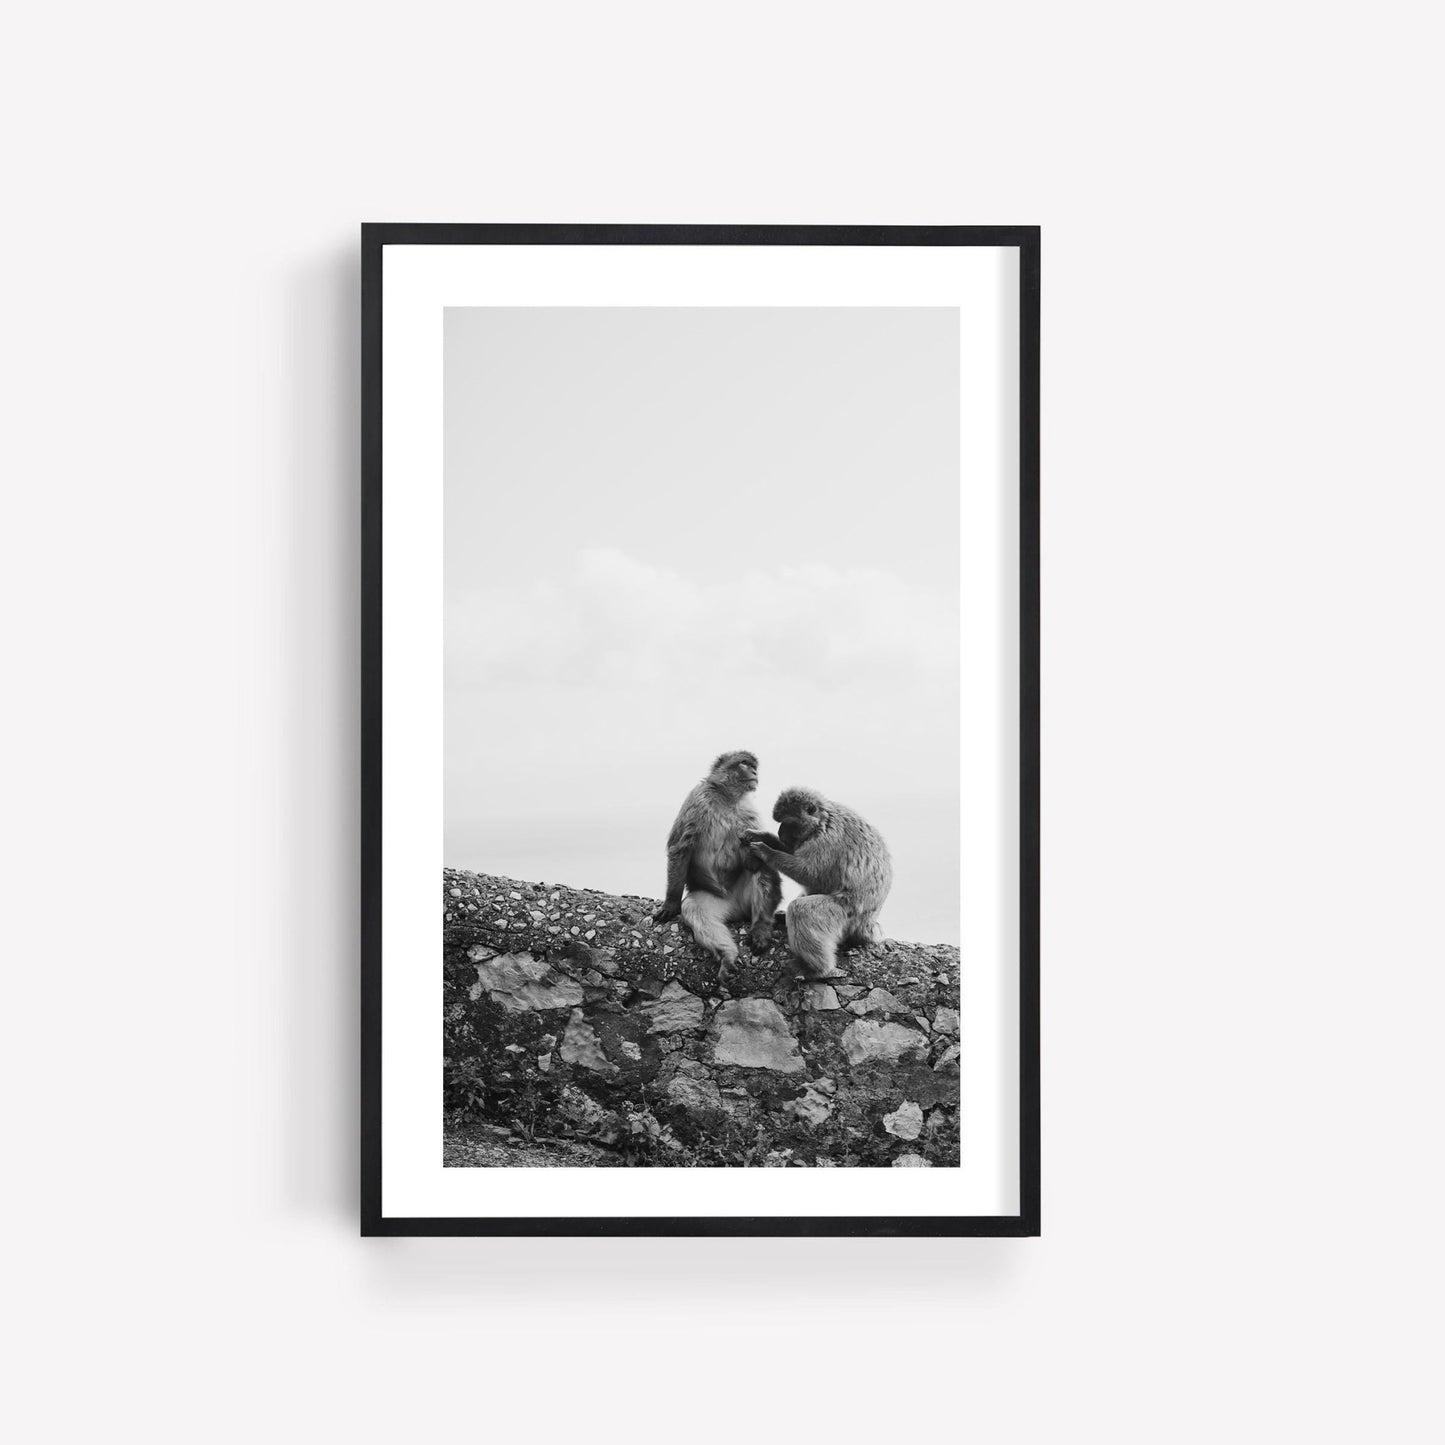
843, 864
707, 854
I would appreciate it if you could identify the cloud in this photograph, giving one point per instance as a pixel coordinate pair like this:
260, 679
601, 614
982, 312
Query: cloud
615, 620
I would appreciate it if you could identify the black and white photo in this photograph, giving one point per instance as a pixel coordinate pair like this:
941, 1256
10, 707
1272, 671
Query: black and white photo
712, 552
704, 588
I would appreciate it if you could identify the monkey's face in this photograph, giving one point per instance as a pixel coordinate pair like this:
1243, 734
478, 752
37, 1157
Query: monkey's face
736, 773
799, 816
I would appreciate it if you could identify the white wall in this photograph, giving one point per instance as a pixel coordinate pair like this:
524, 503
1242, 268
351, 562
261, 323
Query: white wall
1243, 712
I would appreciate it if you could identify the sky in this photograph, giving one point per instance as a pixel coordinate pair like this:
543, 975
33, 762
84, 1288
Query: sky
670, 533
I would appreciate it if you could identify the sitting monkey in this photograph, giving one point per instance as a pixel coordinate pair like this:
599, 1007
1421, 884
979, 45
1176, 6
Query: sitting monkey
843, 864
707, 854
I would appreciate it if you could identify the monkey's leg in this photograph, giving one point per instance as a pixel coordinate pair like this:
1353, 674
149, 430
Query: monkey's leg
708, 915
816, 925
761, 894
865, 932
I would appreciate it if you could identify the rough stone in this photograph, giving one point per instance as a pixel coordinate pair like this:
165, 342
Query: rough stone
520, 982
905, 1122
948, 1056
912, 1161
868, 1041
945, 1020
880, 1001
819, 997
753, 1034
693, 1094
581, 1046
676, 1011
815, 1104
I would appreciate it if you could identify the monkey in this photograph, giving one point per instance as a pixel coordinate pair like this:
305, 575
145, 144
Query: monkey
785, 840
843, 864
706, 854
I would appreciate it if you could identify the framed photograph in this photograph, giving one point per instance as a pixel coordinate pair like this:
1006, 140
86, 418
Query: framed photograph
700, 730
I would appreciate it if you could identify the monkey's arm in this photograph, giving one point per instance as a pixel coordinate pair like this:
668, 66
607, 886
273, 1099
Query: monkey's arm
679, 854
790, 865
771, 839
686, 867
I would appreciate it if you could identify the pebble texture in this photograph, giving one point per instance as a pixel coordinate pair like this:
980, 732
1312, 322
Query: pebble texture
571, 1020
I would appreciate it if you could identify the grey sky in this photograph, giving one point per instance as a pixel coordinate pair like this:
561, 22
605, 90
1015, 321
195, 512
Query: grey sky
669, 533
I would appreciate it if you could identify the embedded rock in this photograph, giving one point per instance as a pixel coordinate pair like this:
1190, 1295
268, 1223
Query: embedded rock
580, 1045
867, 1042
693, 1094
814, 1104
880, 1001
905, 1122
519, 982
675, 1011
753, 1034
819, 997
945, 1021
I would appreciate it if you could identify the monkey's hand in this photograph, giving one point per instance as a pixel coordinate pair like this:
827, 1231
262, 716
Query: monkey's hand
667, 912
762, 852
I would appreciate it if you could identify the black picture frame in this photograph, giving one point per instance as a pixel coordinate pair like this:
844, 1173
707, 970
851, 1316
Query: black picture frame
374, 238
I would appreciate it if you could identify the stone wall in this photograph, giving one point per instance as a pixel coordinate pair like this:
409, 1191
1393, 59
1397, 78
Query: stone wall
570, 1015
